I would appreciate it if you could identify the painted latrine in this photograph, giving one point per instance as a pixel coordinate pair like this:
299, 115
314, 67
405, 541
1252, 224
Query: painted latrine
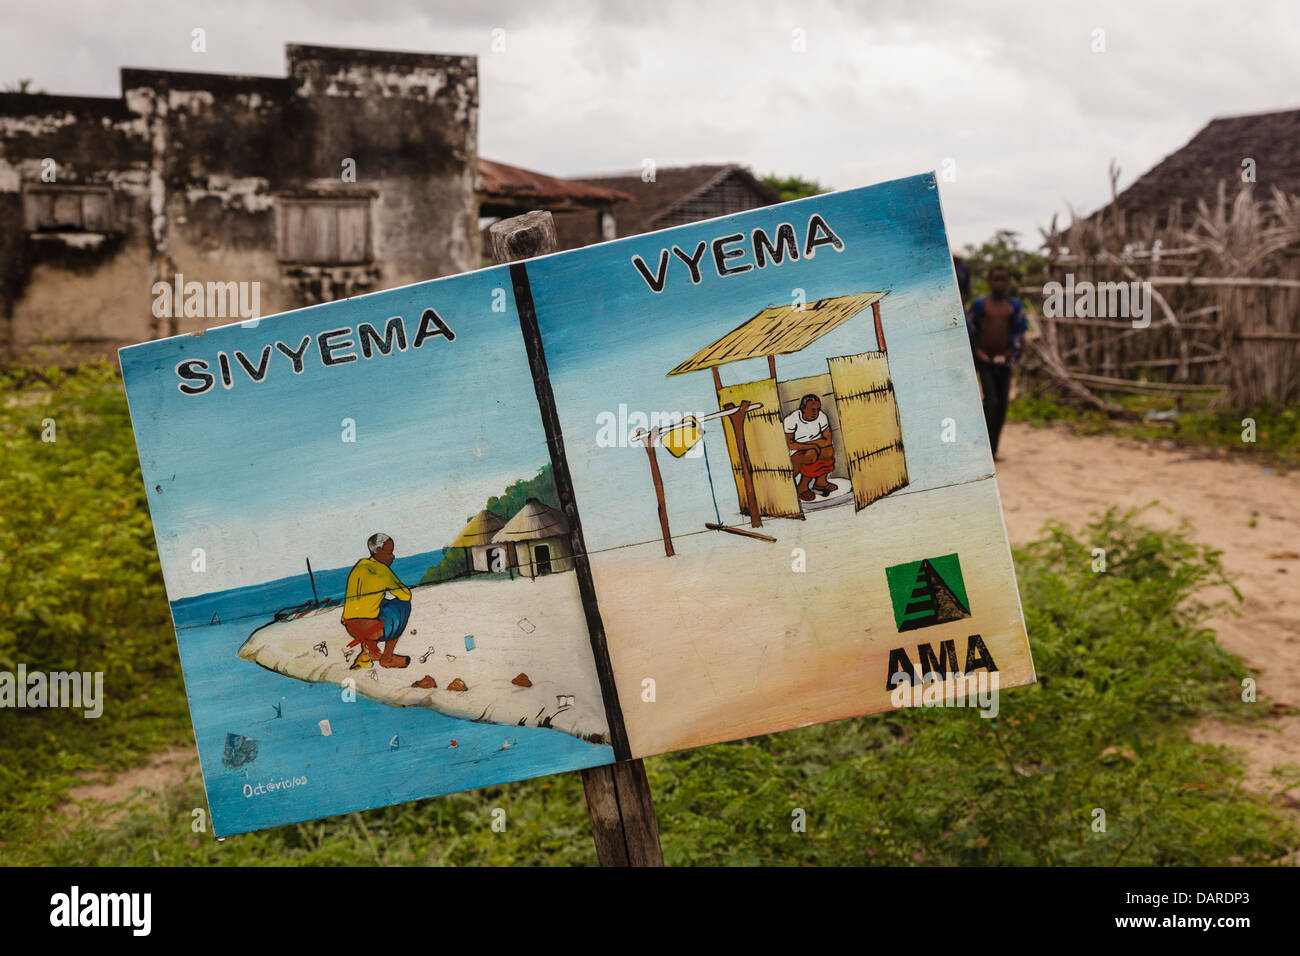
856, 394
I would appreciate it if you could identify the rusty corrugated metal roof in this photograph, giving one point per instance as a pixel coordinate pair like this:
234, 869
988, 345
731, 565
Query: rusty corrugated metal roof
500, 181
672, 187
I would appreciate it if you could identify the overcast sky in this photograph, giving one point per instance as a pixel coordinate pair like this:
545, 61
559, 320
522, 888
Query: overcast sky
1012, 93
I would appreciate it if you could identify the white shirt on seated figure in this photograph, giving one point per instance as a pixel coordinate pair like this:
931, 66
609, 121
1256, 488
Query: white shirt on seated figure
804, 430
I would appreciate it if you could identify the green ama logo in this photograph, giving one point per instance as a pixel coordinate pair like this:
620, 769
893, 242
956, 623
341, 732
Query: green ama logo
927, 592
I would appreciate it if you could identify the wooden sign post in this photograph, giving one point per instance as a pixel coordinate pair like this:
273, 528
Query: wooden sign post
622, 812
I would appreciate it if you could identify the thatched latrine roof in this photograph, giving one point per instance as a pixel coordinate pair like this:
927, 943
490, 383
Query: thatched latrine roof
480, 530
534, 520
780, 330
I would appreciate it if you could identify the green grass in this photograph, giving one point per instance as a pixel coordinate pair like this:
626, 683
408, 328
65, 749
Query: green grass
80, 589
1126, 666
1277, 429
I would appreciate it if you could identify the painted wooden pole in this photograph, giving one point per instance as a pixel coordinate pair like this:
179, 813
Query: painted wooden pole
880, 329
651, 437
737, 419
622, 812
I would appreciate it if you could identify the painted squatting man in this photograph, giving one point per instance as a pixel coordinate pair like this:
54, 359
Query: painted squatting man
812, 453
369, 617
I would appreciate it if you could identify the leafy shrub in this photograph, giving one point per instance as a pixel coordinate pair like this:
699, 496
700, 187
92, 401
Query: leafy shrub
453, 565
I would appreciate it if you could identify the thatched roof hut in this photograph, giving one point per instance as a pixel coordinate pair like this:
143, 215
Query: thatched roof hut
479, 531
540, 536
533, 521
1169, 191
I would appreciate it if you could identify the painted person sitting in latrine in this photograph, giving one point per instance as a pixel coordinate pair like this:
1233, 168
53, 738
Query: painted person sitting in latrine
812, 453
369, 617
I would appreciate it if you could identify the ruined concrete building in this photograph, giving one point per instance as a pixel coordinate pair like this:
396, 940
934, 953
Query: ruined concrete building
354, 173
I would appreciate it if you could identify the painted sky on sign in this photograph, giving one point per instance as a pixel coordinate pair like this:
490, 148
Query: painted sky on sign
610, 340
259, 477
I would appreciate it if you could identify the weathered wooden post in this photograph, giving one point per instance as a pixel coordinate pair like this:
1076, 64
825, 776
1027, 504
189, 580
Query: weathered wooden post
657, 480
622, 812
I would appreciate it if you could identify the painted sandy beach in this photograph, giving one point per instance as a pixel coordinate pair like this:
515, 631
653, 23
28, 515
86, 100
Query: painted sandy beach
757, 647
530, 627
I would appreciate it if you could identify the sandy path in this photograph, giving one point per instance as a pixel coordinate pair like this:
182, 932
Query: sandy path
166, 770
1052, 473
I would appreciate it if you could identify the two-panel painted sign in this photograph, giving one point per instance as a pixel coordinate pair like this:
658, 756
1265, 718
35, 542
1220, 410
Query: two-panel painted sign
696, 485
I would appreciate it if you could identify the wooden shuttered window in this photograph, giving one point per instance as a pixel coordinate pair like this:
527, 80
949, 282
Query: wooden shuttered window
324, 231
68, 209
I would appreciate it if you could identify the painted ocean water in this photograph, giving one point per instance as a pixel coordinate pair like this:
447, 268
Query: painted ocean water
375, 754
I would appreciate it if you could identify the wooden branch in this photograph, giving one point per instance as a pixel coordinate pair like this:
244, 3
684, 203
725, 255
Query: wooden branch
1210, 281
1053, 366
1127, 385
1126, 323
1269, 336
1236, 281
1170, 319
1170, 255
1161, 363
741, 531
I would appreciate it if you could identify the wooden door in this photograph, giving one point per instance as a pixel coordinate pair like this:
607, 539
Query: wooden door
869, 426
769, 457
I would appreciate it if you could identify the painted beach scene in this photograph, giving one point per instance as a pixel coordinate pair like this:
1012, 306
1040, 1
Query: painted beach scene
764, 414
368, 567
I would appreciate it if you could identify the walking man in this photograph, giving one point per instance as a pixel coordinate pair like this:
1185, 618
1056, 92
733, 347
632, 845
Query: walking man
997, 327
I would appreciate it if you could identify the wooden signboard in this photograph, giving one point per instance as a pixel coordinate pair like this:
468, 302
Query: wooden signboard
717, 481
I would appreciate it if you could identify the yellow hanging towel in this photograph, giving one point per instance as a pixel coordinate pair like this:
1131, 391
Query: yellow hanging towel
682, 437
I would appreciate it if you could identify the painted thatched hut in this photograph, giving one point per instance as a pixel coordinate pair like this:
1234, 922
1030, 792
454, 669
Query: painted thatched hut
540, 537
482, 553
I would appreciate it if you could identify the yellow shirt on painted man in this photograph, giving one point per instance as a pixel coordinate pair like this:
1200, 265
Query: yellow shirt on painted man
366, 586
